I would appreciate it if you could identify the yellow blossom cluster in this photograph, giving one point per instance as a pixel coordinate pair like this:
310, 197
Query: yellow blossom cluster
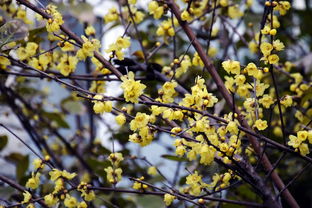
221, 181
196, 185
137, 185
168, 199
113, 173
140, 124
184, 63
86, 193
56, 20
24, 53
166, 29
117, 47
42, 62
132, 89
67, 64
101, 106
97, 87
167, 92
298, 142
88, 48
4, 62
200, 97
282, 7
112, 15
155, 9
194, 149
137, 15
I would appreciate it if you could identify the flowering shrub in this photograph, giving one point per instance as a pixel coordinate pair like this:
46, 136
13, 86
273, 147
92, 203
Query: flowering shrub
213, 87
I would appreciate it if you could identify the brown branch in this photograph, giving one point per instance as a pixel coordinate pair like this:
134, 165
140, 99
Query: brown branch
21, 189
213, 72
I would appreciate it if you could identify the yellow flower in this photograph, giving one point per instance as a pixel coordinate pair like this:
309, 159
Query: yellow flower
294, 141
231, 66
273, 59
260, 88
266, 48
168, 199
115, 158
88, 195
156, 10
180, 150
176, 130
112, 15
196, 61
310, 136
224, 147
138, 185
27, 197
70, 201
168, 92
226, 178
54, 23
4, 62
37, 163
183, 66
82, 204
140, 121
165, 29
113, 175
253, 47
67, 64
59, 185
88, 48
90, 30
123, 42
282, 7
240, 79
34, 181
278, 45
212, 51
67, 46
206, 154
304, 149
287, 101
234, 12
120, 119
229, 83
195, 182
252, 70
100, 106
117, 47
302, 135
232, 127
31, 205
266, 30
28, 51
132, 89
50, 199
138, 16
278, 131
266, 101
152, 170
68, 175
260, 124
186, 16
55, 174
224, 3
